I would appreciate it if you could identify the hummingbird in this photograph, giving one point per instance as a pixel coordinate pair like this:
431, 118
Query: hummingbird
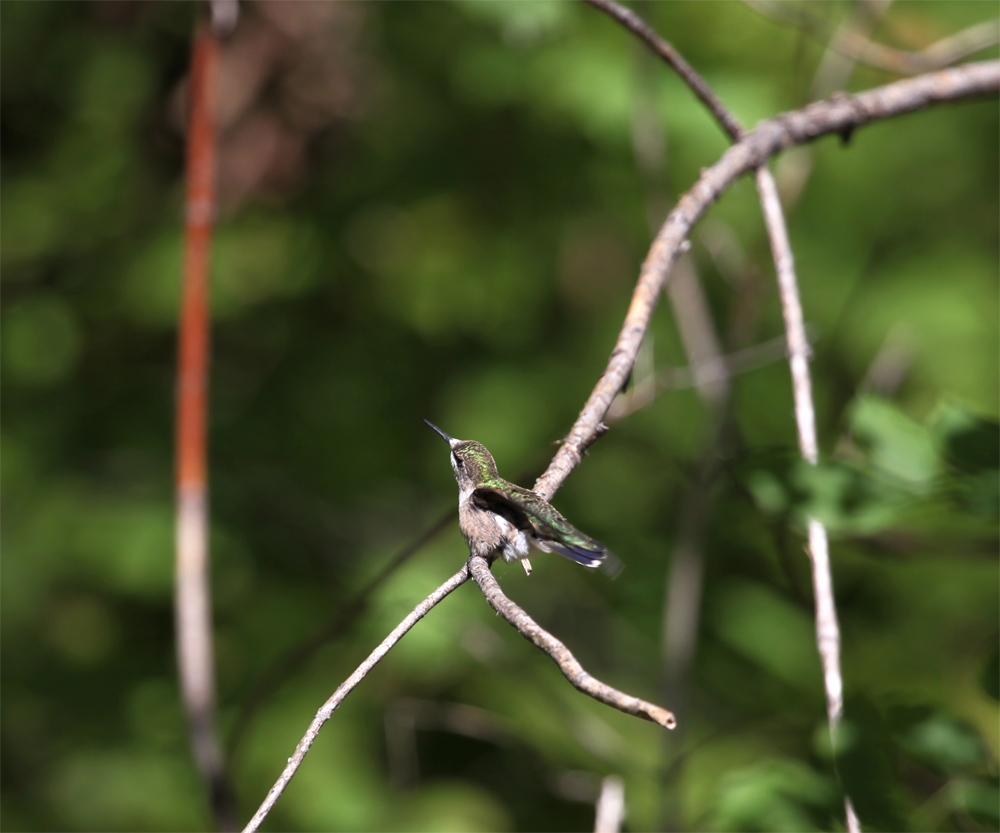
500, 518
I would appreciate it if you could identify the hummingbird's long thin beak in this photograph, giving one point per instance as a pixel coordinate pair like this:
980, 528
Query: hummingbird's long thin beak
448, 439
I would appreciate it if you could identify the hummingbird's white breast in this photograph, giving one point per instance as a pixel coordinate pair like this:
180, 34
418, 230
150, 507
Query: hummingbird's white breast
515, 541
488, 532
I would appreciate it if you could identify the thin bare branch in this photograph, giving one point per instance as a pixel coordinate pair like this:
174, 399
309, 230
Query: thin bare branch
635, 24
827, 626
857, 47
838, 115
568, 664
791, 310
832, 73
346, 687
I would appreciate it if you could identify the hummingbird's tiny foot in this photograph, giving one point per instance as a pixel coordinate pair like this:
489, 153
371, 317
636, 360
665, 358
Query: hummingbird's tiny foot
527, 566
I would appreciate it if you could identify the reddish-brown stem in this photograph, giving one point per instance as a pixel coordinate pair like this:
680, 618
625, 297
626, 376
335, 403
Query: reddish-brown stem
199, 208
192, 593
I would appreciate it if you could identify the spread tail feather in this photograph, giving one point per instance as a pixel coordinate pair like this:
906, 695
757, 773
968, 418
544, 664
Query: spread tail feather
587, 557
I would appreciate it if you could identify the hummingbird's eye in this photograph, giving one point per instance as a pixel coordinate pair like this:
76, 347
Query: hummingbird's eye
459, 461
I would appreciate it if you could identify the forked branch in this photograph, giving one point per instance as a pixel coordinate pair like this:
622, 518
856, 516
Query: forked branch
838, 115
477, 568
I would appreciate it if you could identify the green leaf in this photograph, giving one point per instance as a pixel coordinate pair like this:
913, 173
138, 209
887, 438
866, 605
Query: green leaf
897, 445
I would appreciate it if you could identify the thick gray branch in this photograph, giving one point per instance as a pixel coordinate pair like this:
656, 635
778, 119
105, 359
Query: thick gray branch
840, 115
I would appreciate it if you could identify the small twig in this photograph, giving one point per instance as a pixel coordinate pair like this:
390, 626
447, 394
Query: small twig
859, 48
710, 370
610, 811
827, 627
835, 67
193, 597
954, 48
346, 687
568, 664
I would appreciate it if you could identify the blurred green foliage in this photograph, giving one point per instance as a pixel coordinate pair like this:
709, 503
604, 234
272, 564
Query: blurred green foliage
461, 245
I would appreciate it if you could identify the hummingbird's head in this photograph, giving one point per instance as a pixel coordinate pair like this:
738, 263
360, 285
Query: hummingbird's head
472, 463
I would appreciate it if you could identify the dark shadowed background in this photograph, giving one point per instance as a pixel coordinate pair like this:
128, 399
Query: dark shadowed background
439, 210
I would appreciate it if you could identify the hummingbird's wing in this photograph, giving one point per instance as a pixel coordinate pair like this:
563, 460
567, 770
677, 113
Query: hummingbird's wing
551, 531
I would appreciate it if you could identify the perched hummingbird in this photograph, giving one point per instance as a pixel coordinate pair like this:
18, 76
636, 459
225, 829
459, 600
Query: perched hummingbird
497, 517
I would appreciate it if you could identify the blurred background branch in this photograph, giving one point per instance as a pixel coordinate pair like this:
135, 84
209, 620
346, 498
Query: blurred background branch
610, 806
195, 655
854, 44
714, 370
827, 626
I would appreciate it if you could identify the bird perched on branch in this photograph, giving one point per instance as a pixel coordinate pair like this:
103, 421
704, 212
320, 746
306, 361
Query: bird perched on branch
500, 518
